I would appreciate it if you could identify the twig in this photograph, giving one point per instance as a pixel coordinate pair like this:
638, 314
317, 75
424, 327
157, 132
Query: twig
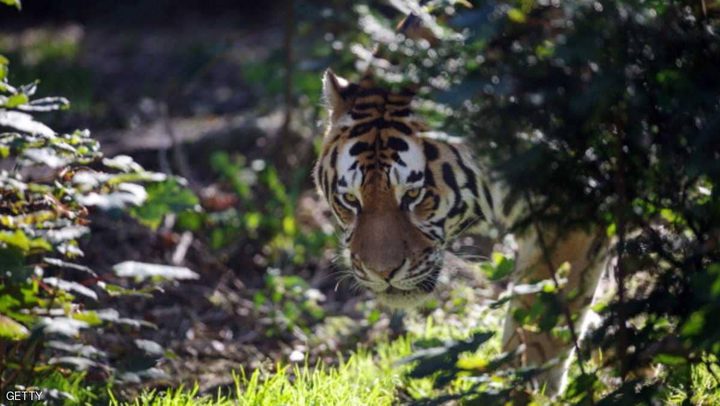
288, 47
181, 250
620, 191
178, 156
566, 309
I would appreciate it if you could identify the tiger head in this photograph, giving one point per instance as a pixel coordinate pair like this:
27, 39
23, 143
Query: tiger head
398, 194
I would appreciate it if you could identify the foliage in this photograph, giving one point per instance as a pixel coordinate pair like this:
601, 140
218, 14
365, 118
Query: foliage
613, 109
51, 306
490, 381
163, 198
379, 376
287, 303
360, 380
15, 3
260, 211
365, 377
608, 110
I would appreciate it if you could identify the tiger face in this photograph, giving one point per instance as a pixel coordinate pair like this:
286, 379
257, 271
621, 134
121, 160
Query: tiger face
398, 194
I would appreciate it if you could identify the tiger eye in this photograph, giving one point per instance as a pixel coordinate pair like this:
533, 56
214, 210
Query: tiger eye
349, 197
413, 193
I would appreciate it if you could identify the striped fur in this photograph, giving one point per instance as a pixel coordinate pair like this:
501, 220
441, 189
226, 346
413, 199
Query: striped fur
400, 194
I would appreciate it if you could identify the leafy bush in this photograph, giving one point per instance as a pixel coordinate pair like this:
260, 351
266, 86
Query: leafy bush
613, 109
287, 303
51, 307
259, 211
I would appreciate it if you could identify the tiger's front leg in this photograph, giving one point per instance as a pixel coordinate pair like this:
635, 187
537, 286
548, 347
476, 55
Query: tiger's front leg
585, 253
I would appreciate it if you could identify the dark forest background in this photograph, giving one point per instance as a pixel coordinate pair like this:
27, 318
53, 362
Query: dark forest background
205, 120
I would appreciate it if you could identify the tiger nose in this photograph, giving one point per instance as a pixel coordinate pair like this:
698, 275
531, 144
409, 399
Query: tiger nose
384, 270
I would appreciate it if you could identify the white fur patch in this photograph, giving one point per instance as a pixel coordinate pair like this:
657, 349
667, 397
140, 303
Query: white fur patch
353, 177
414, 159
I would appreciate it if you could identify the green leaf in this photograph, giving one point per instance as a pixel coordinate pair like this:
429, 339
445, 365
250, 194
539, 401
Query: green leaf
499, 267
67, 234
68, 265
164, 198
12, 330
259, 299
3, 72
18, 239
46, 156
669, 359
115, 290
70, 286
611, 230
90, 317
150, 348
62, 325
16, 100
694, 324
82, 350
24, 122
516, 15
141, 271
670, 216
78, 363
128, 194
15, 3
7, 302
12, 261
432, 360
190, 220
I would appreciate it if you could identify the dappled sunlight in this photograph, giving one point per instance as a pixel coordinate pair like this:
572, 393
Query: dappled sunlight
181, 194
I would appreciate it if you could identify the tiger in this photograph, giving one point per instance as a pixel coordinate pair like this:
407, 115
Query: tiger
401, 192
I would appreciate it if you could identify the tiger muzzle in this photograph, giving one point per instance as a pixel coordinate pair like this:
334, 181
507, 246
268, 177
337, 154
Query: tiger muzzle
386, 241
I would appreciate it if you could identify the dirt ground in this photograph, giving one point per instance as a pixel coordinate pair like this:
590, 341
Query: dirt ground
171, 95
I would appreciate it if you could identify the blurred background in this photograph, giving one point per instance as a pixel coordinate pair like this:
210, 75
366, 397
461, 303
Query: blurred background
608, 110
227, 95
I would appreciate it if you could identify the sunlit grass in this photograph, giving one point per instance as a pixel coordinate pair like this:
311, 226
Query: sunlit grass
367, 377
373, 373
72, 389
364, 378
706, 387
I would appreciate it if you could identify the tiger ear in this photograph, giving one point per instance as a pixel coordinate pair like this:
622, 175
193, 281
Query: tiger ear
337, 92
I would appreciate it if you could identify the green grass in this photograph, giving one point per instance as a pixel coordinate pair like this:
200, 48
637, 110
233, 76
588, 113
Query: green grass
359, 380
70, 389
370, 375
706, 390
365, 377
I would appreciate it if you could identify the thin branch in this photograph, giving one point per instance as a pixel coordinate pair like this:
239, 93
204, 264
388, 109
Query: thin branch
178, 155
620, 274
566, 309
288, 48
